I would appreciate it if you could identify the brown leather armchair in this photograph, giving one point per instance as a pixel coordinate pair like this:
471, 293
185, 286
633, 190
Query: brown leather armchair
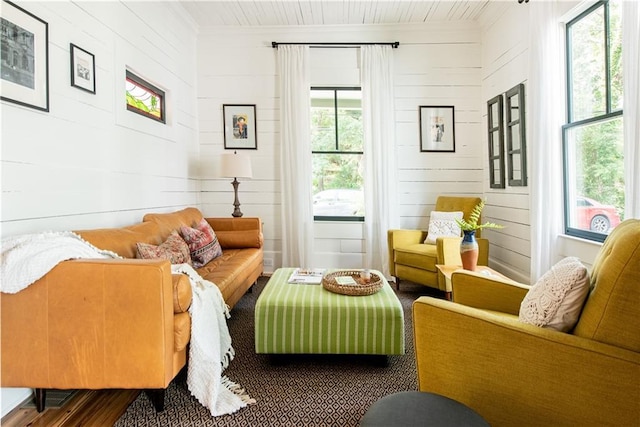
411, 259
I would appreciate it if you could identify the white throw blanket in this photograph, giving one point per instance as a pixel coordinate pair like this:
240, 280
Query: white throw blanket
209, 357
27, 258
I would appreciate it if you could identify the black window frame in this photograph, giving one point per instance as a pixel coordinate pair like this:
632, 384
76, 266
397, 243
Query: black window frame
609, 114
335, 90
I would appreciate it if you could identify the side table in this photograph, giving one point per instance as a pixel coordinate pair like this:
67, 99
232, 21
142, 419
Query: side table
448, 270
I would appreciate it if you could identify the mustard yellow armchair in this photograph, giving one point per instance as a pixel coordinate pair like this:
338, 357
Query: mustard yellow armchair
476, 351
412, 259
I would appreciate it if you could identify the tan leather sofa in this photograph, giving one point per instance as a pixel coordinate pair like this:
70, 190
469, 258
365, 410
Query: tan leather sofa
476, 351
119, 323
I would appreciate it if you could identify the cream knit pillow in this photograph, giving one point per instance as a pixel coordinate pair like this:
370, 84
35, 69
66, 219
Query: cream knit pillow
443, 224
556, 300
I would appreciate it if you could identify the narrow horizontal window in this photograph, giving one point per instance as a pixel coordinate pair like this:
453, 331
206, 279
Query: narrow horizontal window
144, 98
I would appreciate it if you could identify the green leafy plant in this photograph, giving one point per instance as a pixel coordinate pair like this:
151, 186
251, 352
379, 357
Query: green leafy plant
472, 223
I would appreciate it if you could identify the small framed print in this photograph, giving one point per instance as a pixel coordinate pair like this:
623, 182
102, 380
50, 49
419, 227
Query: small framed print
83, 69
25, 57
239, 127
437, 128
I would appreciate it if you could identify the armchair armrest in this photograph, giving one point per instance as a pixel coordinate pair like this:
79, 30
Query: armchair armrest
399, 238
489, 293
448, 249
517, 374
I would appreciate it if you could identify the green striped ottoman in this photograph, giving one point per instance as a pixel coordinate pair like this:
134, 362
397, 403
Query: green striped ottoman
303, 318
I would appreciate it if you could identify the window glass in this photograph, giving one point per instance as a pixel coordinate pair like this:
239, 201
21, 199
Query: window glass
587, 66
144, 98
337, 149
595, 176
593, 138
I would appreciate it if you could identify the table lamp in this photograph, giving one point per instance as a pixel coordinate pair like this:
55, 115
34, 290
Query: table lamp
236, 166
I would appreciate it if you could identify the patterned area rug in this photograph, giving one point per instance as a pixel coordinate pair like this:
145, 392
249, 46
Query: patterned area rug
293, 390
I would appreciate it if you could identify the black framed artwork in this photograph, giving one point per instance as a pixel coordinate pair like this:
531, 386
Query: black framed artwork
83, 69
437, 128
239, 122
25, 57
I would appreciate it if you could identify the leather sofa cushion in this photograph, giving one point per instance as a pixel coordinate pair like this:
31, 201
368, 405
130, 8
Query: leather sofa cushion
168, 222
417, 255
234, 266
123, 240
182, 293
181, 330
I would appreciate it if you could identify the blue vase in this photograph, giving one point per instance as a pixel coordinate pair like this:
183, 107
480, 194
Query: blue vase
469, 250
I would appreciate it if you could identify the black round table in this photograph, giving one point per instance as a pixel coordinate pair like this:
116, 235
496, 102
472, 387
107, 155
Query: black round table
416, 408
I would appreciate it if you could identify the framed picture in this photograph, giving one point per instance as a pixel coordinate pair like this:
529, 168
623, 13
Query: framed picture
240, 127
437, 128
83, 69
25, 57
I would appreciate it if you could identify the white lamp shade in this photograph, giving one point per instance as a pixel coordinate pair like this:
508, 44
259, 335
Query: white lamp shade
236, 165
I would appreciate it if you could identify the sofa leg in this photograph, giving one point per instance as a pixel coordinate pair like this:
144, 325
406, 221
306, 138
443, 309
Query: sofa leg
156, 395
41, 397
397, 283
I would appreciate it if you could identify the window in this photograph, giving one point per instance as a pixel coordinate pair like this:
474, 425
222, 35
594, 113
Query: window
496, 141
337, 147
144, 98
593, 136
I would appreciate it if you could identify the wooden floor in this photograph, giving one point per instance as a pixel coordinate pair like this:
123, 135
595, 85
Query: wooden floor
85, 408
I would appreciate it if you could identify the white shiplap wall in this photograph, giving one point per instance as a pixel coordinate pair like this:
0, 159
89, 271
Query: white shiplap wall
436, 64
506, 42
505, 57
88, 162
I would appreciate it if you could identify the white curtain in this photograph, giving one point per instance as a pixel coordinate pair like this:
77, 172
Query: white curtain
380, 169
295, 156
631, 76
546, 116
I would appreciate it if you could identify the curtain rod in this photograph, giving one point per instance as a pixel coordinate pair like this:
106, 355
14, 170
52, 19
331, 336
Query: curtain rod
337, 44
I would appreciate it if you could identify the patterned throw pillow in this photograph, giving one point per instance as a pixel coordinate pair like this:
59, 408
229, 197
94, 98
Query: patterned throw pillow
556, 300
174, 249
443, 224
203, 243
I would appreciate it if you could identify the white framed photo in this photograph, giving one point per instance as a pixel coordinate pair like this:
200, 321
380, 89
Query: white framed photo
25, 57
83, 69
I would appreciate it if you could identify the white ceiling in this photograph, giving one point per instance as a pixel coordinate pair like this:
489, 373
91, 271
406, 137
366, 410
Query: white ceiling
331, 12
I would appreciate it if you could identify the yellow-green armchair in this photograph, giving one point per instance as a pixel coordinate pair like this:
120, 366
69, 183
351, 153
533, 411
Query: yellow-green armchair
412, 259
476, 351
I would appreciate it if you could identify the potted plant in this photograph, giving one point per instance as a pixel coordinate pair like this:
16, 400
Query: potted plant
469, 245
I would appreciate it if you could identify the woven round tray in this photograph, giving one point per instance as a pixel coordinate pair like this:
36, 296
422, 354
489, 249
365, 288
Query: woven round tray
362, 288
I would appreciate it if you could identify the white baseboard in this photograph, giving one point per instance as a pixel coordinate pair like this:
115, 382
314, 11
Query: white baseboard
13, 397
